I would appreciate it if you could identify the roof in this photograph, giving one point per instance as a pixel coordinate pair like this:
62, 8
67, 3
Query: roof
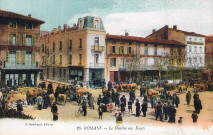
7, 14
189, 33
209, 39
185, 32
142, 39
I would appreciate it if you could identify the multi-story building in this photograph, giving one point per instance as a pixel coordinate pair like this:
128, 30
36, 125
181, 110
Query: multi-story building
209, 51
195, 44
19, 49
76, 53
130, 57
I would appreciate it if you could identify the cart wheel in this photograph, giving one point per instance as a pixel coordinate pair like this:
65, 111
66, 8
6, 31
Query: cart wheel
77, 113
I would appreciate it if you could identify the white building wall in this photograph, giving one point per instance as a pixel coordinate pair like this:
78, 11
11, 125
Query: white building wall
195, 54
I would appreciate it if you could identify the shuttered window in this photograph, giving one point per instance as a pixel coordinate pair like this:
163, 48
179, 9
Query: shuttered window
23, 57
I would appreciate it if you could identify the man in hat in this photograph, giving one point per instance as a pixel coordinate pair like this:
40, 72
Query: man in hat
99, 100
130, 105
144, 108
122, 107
137, 104
117, 101
165, 111
188, 97
84, 107
100, 112
159, 111
39, 101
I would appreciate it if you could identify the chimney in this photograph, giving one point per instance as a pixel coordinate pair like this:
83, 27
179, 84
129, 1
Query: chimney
166, 32
126, 33
29, 15
154, 30
65, 27
59, 29
54, 30
174, 27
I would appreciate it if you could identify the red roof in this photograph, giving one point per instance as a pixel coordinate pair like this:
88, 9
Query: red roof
209, 39
7, 14
145, 40
189, 33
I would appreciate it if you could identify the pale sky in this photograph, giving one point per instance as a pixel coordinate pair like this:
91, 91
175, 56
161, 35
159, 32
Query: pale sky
138, 17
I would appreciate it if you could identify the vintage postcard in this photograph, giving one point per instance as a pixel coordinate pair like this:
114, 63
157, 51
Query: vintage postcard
106, 67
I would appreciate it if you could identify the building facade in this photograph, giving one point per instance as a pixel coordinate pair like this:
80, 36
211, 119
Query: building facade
19, 49
195, 44
209, 51
75, 53
137, 57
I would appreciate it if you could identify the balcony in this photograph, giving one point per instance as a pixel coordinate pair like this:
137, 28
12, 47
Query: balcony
20, 66
96, 65
97, 48
195, 43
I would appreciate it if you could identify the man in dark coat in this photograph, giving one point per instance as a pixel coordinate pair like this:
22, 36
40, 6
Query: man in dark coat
144, 108
198, 105
109, 85
130, 105
165, 111
117, 100
137, 104
50, 89
188, 97
122, 107
99, 100
57, 91
145, 98
158, 111
84, 107
54, 110
100, 112
177, 100
132, 96
172, 114
123, 99
141, 91
19, 105
195, 97
46, 101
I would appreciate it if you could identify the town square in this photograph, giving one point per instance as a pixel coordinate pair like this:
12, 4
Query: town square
95, 68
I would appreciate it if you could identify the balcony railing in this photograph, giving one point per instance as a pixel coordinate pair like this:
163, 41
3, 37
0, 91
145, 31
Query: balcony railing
97, 65
20, 66
195, 43
98, 48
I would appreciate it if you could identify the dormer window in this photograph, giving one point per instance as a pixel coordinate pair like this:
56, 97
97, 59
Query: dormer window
97, 26
12, 24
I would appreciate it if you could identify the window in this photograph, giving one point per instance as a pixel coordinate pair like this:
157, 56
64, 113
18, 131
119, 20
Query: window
53, 59
97, 24
121, 65
195, 59
190, 49
43, 60
42, 47
195, 49
195, 39
190, 60
60, 72
70, 59
60, 59
76, 74
12, 58
190, 39
28, 58
64, 73
129, 50
12, 24
80, 40
53, 46
80, 59
70, 46
156, 50
121, 50
201, 50
122, 42
201, 60
60, 47
113, 62
96, 40
201, 40
29, 25
13, 39
179, 51
48, 73
113, 49
53, 72
130, 42
96, 58
114, 42
146, 49
29, 40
